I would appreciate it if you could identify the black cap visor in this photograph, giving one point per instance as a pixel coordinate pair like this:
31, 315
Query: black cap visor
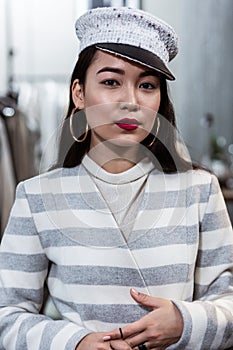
137, 55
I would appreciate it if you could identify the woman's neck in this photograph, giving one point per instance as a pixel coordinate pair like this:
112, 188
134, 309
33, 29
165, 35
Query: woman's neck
115, 159
117, 166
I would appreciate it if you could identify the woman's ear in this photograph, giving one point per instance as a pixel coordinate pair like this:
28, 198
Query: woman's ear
77, 94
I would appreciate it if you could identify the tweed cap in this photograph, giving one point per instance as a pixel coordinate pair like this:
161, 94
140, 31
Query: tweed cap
130, 33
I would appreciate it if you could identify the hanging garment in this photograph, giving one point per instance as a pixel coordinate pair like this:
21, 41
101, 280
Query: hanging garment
53, 101
19, 140
62, 231
7, 178
44, 104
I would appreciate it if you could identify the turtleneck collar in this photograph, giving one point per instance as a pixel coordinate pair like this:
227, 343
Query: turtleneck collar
137, 171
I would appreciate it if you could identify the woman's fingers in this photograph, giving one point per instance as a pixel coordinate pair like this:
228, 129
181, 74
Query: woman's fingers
139, 326
145, 299
162, 326
95, 341
120, 345
127, 332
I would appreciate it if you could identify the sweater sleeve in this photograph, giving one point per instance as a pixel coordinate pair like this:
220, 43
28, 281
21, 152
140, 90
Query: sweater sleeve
23, 271
208, 319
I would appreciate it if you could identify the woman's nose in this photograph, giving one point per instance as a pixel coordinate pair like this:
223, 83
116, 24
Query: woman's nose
129, 99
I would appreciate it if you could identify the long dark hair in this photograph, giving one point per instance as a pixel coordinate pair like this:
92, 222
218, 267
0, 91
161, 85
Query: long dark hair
164, 149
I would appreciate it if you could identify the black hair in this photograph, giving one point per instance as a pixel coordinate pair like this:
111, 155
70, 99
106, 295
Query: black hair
164, 149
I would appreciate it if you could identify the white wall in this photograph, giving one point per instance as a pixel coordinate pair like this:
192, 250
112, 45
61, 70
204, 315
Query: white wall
207, 71
3, 49
42, 35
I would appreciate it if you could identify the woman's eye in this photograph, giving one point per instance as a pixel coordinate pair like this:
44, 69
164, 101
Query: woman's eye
110, 82
148, 86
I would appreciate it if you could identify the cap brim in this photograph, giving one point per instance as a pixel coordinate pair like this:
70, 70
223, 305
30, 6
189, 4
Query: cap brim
137, 55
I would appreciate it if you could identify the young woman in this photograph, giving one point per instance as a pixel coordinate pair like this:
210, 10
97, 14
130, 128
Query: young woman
133, 241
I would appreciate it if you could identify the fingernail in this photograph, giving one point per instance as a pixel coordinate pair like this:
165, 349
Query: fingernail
106, 337
134, 291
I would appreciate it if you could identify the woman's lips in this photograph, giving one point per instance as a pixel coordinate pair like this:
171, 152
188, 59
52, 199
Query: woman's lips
128, 124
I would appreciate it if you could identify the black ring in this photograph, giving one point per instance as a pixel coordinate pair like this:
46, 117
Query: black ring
142, 347
121, 333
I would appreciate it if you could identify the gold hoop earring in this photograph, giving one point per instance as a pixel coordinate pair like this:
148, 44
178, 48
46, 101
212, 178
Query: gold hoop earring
72, 130
157, 130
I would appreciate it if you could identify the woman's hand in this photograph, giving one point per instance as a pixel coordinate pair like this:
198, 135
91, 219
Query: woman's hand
100, 341
158, 329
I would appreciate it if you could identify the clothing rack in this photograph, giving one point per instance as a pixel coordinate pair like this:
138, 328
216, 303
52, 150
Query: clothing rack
16, 153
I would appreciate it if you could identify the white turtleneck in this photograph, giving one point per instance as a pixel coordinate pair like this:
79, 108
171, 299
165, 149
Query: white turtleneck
122, 192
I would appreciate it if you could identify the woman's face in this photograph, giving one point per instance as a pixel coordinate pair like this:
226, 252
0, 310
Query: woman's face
120, 99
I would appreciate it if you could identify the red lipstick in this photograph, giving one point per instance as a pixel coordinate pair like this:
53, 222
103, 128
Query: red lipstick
128, 124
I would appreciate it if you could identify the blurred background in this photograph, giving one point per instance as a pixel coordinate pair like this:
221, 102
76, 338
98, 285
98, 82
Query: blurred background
38, 50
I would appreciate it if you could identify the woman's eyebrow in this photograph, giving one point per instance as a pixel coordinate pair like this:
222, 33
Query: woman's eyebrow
148, 73
111, 69
122, 72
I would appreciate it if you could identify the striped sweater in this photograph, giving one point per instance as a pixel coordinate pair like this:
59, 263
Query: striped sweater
62, 233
